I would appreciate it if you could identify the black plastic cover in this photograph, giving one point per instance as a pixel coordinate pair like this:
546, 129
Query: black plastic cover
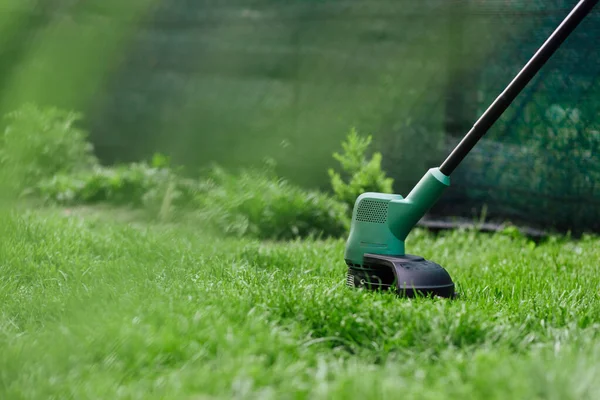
409, 275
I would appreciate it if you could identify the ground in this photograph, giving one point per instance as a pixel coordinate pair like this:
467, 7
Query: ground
99, 304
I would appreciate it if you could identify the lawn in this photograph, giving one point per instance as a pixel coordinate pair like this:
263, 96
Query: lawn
102, 304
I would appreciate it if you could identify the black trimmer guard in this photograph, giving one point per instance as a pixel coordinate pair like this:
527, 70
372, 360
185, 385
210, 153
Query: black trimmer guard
408, 275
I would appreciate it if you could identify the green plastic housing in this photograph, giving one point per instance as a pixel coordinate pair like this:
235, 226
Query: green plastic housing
381, 222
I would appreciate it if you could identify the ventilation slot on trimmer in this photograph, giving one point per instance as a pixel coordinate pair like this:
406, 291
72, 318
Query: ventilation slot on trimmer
372, 211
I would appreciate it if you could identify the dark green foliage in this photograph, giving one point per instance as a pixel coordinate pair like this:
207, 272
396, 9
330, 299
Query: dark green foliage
570, 134
362, 174
547, 180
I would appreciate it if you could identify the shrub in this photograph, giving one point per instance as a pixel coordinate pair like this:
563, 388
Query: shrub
154, 186
38, 143
362, 174
254, 203
260, 204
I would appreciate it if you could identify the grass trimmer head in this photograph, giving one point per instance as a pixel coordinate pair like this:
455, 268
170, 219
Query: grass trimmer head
375, 249
375, 252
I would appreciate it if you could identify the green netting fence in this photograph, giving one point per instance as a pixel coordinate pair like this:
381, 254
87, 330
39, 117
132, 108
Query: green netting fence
540, 164
236, 81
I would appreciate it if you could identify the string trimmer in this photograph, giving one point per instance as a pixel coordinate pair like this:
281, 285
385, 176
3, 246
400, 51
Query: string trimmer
381, 222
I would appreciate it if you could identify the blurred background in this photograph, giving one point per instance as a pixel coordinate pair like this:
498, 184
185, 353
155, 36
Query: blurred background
234, 82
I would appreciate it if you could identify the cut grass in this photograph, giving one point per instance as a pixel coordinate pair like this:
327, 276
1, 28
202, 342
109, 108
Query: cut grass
94, 306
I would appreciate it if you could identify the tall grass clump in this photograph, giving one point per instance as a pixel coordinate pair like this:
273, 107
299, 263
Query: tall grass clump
258, 203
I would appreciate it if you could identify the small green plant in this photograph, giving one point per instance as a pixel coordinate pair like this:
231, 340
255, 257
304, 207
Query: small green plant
38, 143
361, 174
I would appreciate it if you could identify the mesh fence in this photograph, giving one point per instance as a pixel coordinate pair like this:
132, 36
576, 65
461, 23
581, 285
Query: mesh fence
540, 163
236, 81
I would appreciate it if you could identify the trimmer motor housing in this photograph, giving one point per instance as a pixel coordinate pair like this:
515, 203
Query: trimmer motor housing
375, 248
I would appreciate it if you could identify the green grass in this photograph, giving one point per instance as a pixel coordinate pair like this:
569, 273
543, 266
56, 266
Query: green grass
101, 305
